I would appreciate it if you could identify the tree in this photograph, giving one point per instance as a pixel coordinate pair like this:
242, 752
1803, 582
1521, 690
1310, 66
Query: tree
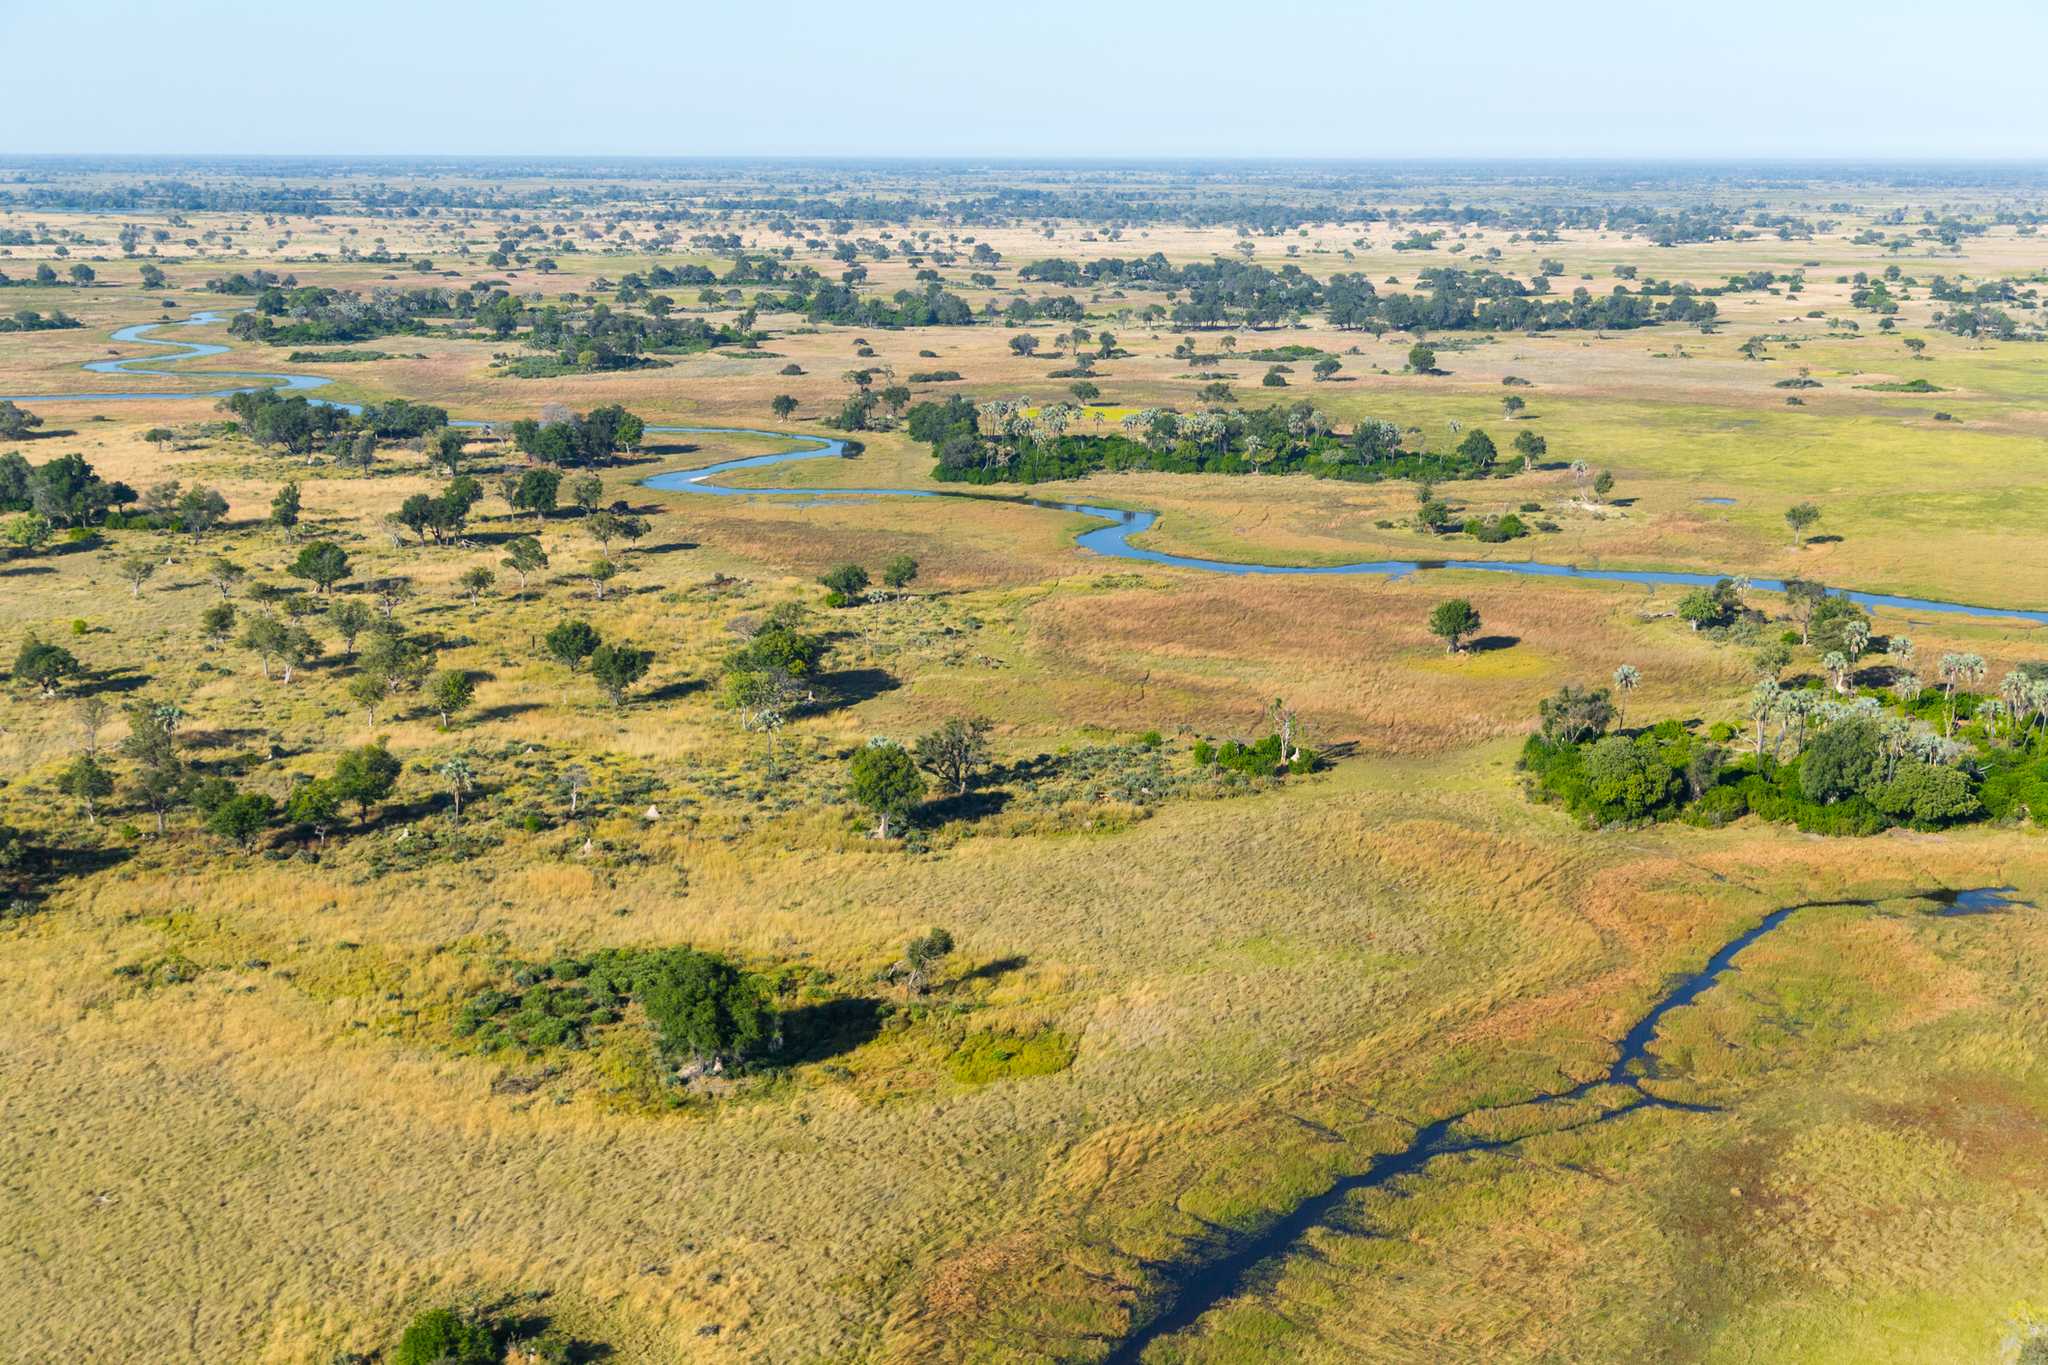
586, 491
1453, 621
1573, 713
524, 556
571, 642
1085, 391
702, 1007
1626, 680
200, 510
370, 689
477, 581
366, 775
537, 491
1024, 344
955, 752
92, 714
601, 572
217, 621
88, 783
845, 584
451, 692
225, 575
349, 619
322, 563
921, 956
782, 405
1800, 516
456, 771
1513, 406
162, 776
1803, 598
284, 510
883, 777
240, 818
617, 667
448, 444
29, 532
43, 665
1326, 368
137, 569
15, 422
316, 805
899, 572
1626, 778
1603, 484
1841, 761
1422, 359
266, 637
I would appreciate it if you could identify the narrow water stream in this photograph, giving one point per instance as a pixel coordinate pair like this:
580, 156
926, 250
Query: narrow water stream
1112, 541
1193, 1290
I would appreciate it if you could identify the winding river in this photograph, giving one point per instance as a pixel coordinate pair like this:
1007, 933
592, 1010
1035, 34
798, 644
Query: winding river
1189, 1289
1112, 540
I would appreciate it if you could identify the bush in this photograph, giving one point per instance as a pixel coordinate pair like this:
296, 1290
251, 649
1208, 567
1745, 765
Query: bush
1627, 777
441, 1336
1927, 794
1717, 807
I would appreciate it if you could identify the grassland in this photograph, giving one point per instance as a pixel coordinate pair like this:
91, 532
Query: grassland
239, 1122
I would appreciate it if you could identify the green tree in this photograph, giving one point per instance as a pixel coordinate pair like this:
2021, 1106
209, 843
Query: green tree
315, 805
217, 621
1800, 517
845, 584
538, 491
921, 957
571, 642
702, 1007
1422, 359
366, 775
1326, 368
883, 777
137, 569
1453, 622
349, 619
322, 563
782, 405
284, 510
617, 667
477, 581
451, 693
899, 572
240, 818
87, 782
43, 665
1626, 777
523, 556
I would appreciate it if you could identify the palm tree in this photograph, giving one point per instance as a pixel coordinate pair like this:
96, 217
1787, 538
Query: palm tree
1626, 680
461, 778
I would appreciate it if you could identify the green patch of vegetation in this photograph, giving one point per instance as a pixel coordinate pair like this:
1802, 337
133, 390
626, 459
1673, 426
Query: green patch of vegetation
987, 1057
1904, 386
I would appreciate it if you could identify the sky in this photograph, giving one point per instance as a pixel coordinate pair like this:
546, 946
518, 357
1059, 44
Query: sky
1109, 78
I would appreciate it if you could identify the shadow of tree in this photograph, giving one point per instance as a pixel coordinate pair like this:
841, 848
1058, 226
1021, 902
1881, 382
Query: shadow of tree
815, 1032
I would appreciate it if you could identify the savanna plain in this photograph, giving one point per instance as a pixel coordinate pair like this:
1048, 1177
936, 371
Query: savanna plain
462, 900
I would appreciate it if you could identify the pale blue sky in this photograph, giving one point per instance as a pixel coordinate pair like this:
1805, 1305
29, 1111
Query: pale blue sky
1426, 78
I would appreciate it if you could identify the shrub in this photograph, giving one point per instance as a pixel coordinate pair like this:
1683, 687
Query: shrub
1927, 794
1626, 777
441, 1336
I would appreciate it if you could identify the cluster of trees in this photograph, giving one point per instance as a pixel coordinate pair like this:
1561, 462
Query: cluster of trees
301, 426
316, 316
29, 320
64, 492
564, 438
1002, 441
820, 301
614, 665
603, 339
706, 1012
